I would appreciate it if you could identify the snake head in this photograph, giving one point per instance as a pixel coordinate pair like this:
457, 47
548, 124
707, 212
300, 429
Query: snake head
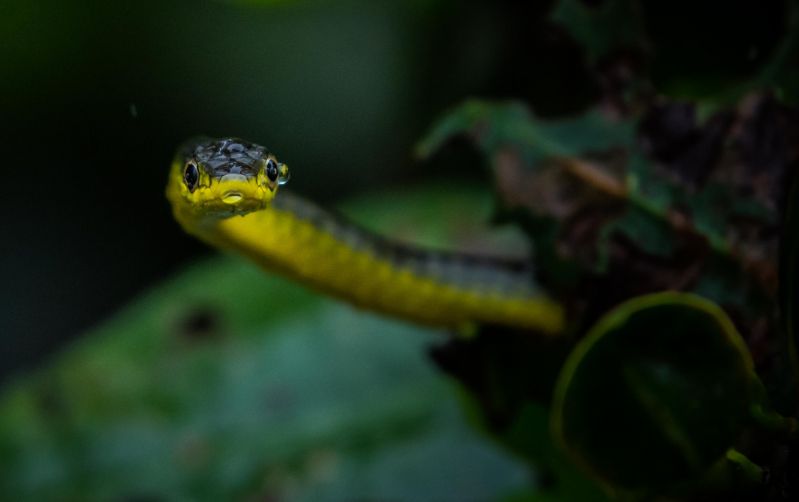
225, 177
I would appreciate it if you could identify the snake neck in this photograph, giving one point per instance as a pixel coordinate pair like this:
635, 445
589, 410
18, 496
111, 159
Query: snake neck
479, 273
297, 238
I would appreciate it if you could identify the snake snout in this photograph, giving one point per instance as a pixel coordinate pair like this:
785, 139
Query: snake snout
233, 195
233, 177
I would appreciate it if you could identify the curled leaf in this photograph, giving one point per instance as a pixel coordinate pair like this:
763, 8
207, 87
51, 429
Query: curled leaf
656, 393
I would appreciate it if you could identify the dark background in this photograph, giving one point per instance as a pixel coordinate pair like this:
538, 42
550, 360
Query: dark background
94, 97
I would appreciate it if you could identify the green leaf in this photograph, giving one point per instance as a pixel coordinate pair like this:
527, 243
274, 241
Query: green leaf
647, 186
782, 73
510, 124
576, 185
612, 25
226, 383
656, 393
650, 233
741, 56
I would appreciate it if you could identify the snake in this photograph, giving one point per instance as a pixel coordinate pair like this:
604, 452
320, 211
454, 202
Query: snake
229, 193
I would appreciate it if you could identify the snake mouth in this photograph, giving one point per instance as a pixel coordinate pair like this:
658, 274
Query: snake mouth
232, 197
237, 189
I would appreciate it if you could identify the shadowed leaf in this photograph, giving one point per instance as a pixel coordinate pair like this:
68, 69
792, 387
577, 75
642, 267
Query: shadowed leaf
664, 377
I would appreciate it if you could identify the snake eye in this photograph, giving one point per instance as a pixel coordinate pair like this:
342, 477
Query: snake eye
191, 175
271, 170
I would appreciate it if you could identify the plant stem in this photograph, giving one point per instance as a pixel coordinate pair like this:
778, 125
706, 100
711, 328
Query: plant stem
772, 421
752, 473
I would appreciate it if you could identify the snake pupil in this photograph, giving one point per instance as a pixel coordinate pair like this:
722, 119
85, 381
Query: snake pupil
271, 170
191, 176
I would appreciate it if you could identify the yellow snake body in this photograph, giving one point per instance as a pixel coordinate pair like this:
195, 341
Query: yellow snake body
225, 192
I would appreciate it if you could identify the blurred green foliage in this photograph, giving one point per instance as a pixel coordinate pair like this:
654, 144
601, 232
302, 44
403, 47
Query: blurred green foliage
226, 383
510, 125
662, 167
671, 183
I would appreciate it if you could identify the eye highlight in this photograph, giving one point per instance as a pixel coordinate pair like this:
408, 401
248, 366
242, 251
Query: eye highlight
271, 170
191, 175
